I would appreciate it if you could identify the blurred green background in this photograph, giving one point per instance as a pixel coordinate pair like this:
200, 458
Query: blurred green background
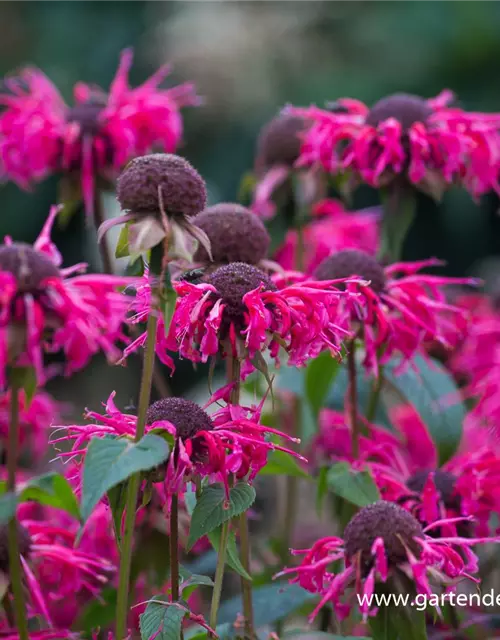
249, 59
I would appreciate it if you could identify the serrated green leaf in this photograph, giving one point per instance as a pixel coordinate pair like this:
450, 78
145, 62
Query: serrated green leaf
191, 581
51, 489
270, 604
232, 556
424, 387
8, 504
161, 619
122, 250
319, 377
111, 461
280, 463
357, 487
211, 509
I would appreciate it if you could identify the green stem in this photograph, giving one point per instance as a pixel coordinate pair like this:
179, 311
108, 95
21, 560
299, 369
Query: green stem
292, 490
174, 548
15, 570
234, 375
104, 249
134, 482
301, 250
373, 401
353, 397
399, 208
219, 575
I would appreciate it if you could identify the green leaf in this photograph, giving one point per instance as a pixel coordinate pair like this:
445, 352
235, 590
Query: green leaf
164, 616
232, 556
8, 504
51, 489
321, 488
192, 580
110, 461
319, 377
24, 378
270, 603
122, 250
319, 635
280, 463
212, 508
400, 206
425, 388
356, 487
117, 498
98, 613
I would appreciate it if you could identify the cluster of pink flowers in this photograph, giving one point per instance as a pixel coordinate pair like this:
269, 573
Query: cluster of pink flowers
209, 291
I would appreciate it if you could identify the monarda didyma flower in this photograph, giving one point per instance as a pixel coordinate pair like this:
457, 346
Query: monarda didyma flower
44, 308
96, 137
161, 193
427, 142
400, 310
382, 543
238, 311
229, 441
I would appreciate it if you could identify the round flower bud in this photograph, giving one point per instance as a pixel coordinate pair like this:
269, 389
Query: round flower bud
23, 541
279, 141
29, 267
404, 107
345, 264
183, 191
86, 114
232, 282
385, 520
235, 233
187, 417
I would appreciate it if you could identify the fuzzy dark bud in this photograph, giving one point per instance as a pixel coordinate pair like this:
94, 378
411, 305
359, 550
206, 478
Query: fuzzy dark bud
29, 267
235, 233
280, 141
385, 520
23, 541
404, 107
345, 264
187, 417
161, 175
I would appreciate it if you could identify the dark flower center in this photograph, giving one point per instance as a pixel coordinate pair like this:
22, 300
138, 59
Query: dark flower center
279, 141
161, 178
404, 107
86, 114
29, 267
235, 233
345, 264
23, 541
232, 282
445, 484
385, 520
186, 416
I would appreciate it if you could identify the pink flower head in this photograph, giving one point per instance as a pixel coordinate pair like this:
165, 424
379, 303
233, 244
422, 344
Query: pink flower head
34, 422
238, 310
401, 310
44, 308
477, 362
332, 229
381, 541
428, 142
46, 634
60, 576
230, 441
405, 468
97, 136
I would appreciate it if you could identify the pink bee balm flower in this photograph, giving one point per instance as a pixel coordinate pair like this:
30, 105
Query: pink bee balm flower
55, 569
238, 310
428, 142
46, 634
332, 229
230, 441
401, 310
34, 422
381, 542
44, 308
405, 468
97, 136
